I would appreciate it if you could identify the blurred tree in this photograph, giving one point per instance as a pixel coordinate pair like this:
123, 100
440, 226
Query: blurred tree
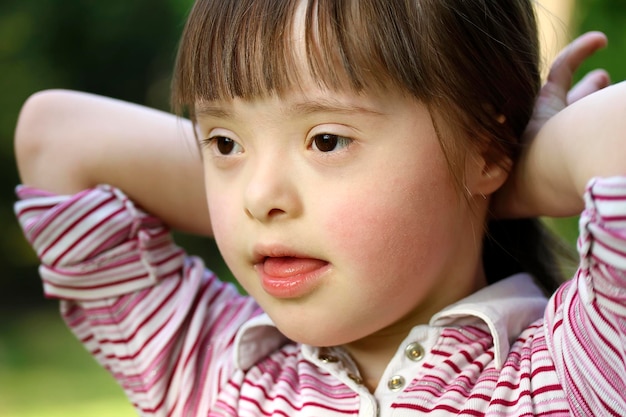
608, 16
554, 27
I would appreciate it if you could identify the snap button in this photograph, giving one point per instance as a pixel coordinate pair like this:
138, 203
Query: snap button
356, 379
414, 351
396, 383
328, 358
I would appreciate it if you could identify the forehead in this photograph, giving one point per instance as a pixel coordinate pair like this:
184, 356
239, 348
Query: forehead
301, 102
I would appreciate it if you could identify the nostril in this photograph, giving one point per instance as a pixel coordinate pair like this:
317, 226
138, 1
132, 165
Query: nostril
275, 212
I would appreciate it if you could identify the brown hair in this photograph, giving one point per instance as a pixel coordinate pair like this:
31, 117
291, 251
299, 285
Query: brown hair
474, 63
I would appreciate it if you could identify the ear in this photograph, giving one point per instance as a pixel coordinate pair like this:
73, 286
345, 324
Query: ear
484, 177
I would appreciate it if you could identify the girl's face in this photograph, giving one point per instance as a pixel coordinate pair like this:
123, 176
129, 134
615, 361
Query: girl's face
338, 212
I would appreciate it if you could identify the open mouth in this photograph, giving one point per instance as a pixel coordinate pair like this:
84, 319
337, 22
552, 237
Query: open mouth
290, 266
290, 276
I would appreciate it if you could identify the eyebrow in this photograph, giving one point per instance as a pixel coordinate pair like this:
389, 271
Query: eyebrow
212, 110
329, 106
296, 109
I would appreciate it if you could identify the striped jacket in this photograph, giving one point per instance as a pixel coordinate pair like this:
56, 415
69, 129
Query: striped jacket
183, 343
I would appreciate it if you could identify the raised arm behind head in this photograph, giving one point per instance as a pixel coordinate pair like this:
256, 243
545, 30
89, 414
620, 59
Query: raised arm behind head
68, 141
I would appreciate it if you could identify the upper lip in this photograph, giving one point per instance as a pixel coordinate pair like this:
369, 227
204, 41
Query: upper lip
264, 251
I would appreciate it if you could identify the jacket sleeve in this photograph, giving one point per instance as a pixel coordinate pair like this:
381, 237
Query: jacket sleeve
586, 318
160, 322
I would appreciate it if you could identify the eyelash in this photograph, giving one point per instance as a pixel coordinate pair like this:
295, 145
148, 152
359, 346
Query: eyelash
224, 146
217, 141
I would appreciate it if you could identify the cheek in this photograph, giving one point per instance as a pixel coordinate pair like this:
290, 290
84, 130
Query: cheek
223, 224
223, 202
219, 223
397, 226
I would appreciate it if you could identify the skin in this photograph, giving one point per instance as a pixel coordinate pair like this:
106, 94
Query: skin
120, 144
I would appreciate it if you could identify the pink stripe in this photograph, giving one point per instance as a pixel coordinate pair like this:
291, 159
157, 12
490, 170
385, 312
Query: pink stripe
72, 226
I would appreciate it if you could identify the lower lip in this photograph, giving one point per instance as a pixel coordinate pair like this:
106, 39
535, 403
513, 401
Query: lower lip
290, 277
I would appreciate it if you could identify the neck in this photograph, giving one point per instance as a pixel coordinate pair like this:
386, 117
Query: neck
373, 353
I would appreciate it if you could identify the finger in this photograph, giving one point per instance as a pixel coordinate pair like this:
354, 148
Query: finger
592, 82
569, 60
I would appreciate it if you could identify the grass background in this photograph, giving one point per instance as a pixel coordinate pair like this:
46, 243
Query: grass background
44, 371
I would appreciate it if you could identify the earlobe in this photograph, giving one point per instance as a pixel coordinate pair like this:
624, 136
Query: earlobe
483, 177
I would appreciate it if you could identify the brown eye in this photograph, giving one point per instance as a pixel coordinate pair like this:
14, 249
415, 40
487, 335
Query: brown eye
226, 146
327, 142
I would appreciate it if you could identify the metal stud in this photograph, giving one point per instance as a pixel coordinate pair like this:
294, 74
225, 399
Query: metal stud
327, 358
414, 351
396, 383
356, 379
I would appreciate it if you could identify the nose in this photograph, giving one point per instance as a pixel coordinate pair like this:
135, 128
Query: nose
272, 192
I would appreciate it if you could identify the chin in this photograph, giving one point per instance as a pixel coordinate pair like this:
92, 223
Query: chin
315, 333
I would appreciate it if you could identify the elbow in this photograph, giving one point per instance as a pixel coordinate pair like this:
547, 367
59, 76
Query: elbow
39, 135
34, 125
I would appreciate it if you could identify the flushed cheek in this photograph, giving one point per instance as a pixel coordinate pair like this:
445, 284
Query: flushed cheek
390, 235
386, 261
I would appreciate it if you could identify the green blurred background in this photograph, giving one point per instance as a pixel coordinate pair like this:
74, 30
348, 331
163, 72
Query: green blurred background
125, 49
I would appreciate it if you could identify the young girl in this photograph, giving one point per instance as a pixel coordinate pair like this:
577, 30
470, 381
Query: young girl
355, 155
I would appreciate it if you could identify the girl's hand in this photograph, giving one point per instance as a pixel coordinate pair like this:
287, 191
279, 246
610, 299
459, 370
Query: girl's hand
557, 93
514, 199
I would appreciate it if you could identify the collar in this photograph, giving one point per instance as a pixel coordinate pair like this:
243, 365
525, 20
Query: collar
507, 307
256, 339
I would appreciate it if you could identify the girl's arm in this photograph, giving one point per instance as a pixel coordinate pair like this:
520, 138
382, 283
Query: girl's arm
585, 140
68, 141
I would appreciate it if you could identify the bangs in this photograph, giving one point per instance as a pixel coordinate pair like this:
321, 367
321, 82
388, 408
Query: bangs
256, 48
471, 62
